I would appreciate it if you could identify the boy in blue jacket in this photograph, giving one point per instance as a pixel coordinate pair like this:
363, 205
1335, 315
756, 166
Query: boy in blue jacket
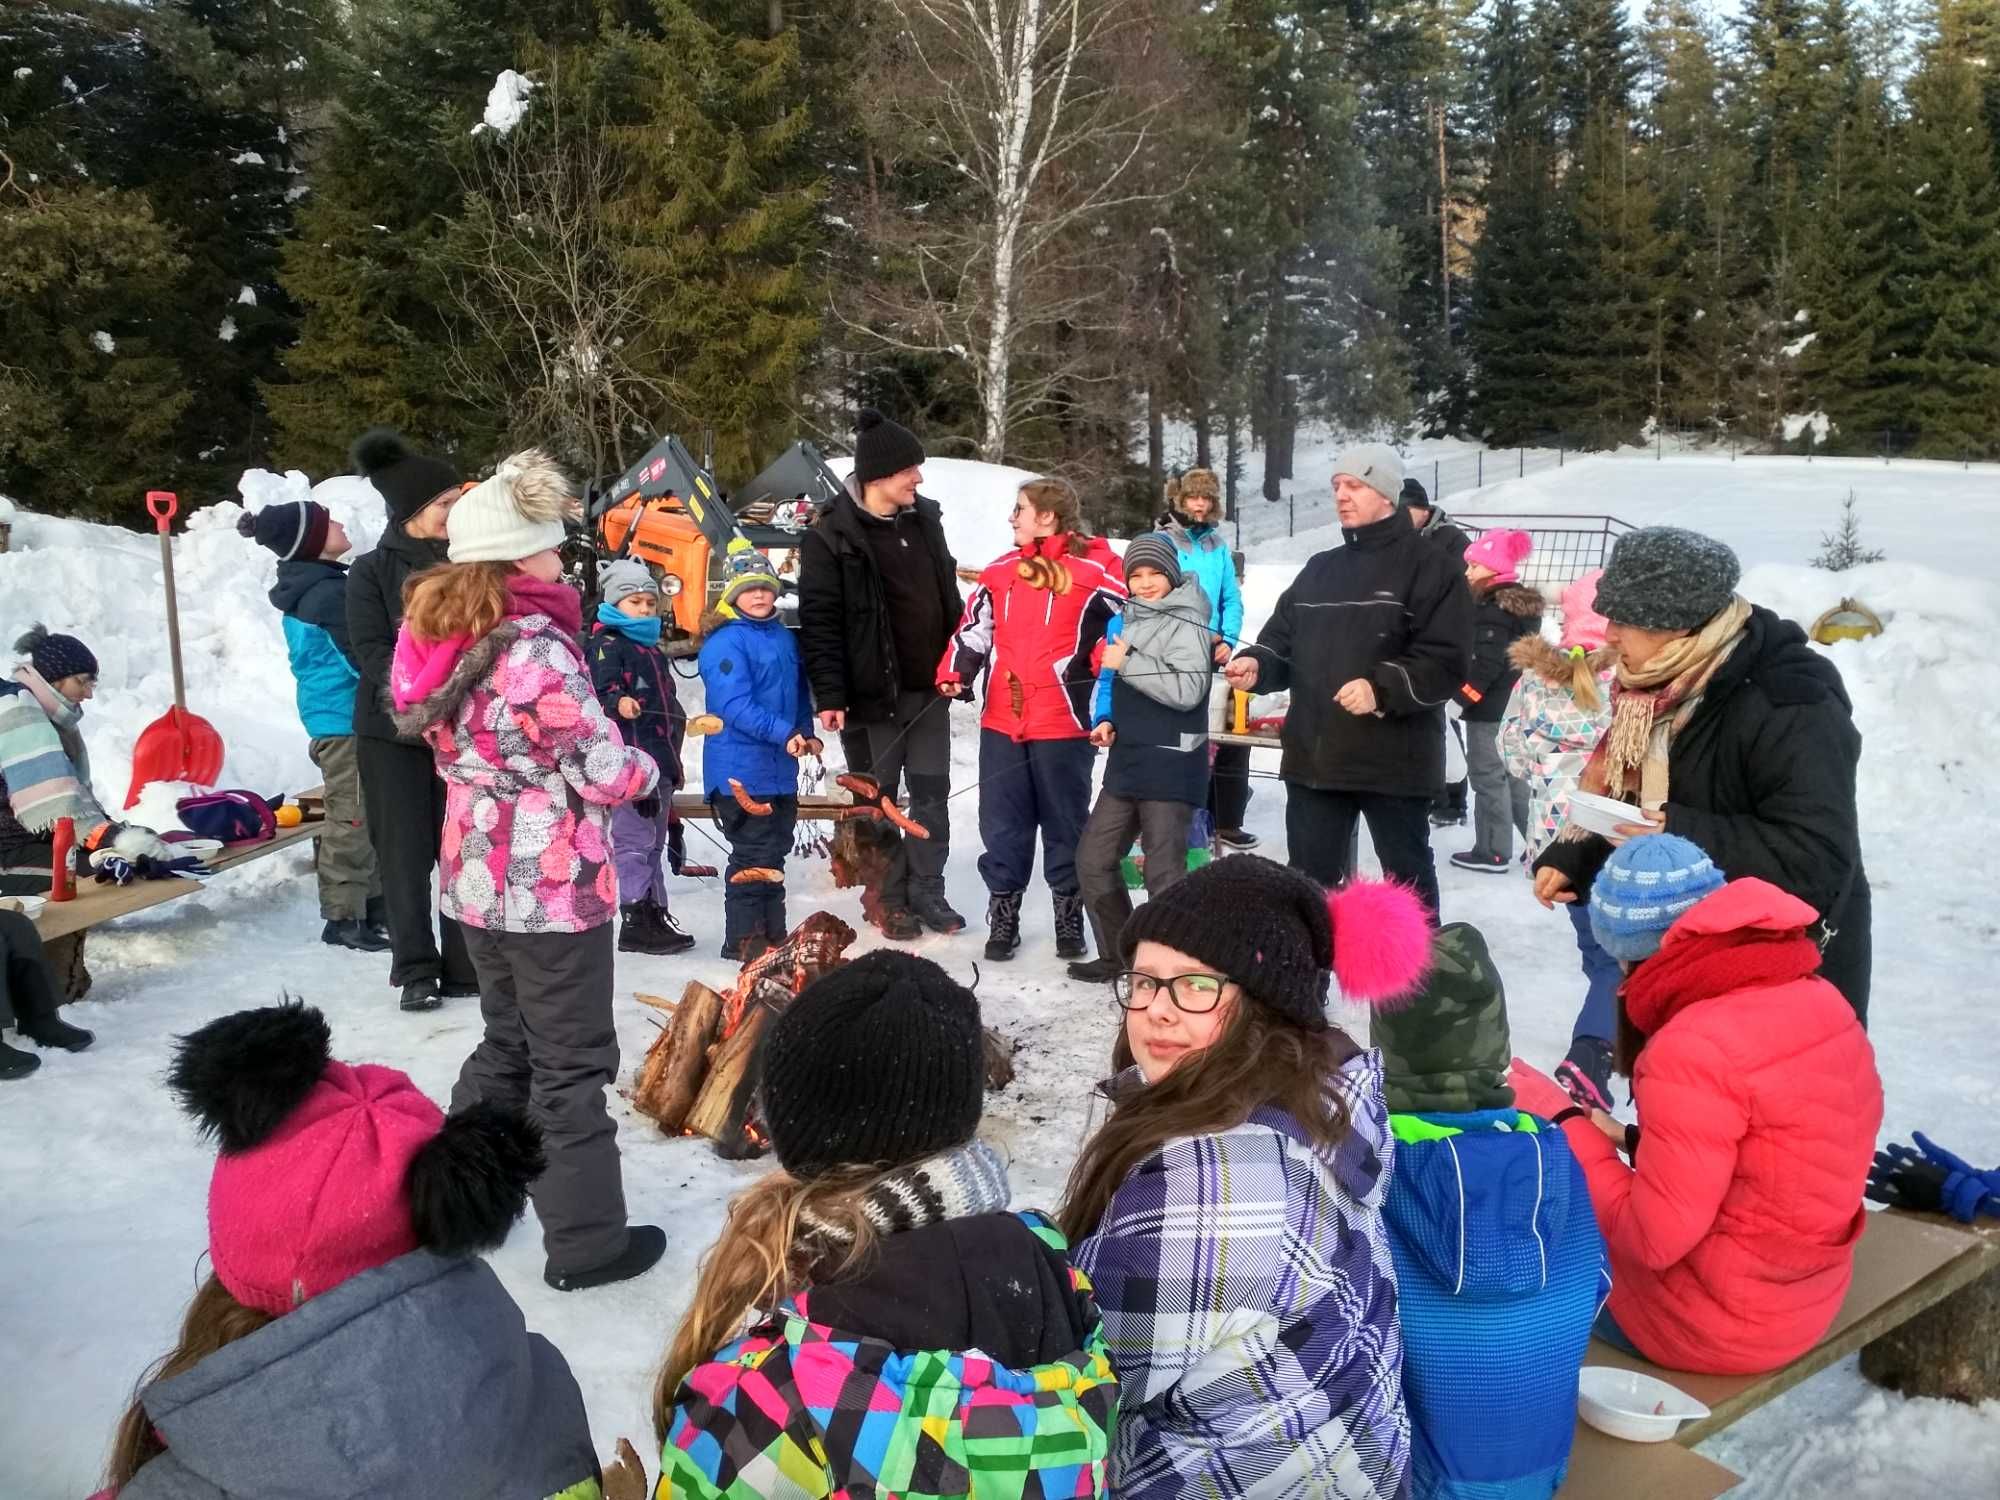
311, 594
635, 685
756, 684
1500, 1269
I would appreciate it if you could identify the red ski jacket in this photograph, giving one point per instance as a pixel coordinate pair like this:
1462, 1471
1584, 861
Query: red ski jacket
1732, 1237
1035, 625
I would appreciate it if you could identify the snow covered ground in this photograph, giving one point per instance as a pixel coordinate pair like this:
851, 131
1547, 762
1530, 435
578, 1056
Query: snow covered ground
104, 1184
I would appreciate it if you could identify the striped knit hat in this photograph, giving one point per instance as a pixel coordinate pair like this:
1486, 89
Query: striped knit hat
1156, 551
1643, 890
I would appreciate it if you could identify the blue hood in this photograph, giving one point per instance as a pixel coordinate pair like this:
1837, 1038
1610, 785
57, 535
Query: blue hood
1481, 1211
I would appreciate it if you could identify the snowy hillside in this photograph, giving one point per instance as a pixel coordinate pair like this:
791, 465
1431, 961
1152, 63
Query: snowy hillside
104, 1184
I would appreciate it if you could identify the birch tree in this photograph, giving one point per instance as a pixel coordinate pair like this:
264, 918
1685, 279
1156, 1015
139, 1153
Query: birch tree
1017, 104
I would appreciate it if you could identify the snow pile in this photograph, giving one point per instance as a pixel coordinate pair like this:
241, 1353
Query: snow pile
506, 102
103, 342
1818, 423
104, 586
226, 330
247, 297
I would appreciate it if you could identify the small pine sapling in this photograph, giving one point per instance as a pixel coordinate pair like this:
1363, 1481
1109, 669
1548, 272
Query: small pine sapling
1842, 549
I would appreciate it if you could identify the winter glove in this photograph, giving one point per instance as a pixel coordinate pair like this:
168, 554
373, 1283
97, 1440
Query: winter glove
130, 841
1936, 1181
114, 869
647, 807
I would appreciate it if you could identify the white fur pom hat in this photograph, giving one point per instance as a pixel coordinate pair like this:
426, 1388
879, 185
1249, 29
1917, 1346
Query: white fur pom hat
515, 514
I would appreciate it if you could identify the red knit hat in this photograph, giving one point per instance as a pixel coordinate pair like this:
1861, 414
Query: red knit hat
327, 1169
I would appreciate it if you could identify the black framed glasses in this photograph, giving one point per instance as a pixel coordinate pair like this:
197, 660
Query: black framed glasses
1197, 994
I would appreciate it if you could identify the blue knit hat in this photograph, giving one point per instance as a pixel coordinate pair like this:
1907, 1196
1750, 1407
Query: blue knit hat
1643, 889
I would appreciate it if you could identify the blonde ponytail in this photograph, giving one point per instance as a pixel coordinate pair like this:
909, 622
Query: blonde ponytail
1584, 667
780, 1236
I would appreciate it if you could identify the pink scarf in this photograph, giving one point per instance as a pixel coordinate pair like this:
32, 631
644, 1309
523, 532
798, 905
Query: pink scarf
419, 668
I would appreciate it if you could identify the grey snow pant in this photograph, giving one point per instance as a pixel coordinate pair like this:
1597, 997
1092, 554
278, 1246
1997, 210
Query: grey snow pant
1162, 831
346, 866
915, 746
1499, 801
550, 1048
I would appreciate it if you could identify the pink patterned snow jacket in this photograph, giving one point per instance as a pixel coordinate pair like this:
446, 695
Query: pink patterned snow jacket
1546, 736
531, 765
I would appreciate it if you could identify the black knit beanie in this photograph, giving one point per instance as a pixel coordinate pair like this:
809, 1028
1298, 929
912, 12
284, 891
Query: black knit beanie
56, 656
1259, 923
877, 1063
1414, 495
407, 480
295, 529
882, 447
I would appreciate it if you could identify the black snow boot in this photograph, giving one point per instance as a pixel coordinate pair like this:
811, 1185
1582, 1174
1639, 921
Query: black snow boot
421, 994
1003, 925
355, 933
14, 1063
928, 906
644, 1245
643, 927
54, 1031
1069, 926
900, 925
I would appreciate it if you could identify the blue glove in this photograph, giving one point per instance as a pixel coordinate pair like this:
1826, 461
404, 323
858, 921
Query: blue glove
1966, 1191
115, 869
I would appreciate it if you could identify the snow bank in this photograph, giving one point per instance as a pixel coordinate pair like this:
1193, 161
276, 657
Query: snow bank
506, 102
976, 499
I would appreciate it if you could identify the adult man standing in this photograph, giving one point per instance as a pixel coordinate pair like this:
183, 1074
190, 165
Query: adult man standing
878, 600
1433, 522
1372, 638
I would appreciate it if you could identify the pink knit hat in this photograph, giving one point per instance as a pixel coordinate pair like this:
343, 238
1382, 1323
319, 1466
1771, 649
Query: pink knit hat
1582, 625
330, 1169
1503, 552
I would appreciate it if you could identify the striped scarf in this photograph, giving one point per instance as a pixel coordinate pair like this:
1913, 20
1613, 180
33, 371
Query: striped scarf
960, 1183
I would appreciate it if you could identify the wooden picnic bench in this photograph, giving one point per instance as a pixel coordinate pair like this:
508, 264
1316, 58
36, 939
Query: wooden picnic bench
1904, 1265
694, 805
95, 903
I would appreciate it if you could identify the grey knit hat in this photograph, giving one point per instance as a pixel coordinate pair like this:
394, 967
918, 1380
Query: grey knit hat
1152, 550
623, 577
1376, 465
1667, 578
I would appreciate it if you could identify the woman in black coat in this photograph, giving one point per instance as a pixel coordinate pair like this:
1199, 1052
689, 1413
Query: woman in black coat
1752, 749
402, 797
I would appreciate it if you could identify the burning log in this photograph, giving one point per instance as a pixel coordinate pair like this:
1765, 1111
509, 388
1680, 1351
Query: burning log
671, 1075
726, 1108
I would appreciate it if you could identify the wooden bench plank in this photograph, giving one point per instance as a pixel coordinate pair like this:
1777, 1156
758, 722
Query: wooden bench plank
96, 903
1254, 741
1608, 1468
694, 805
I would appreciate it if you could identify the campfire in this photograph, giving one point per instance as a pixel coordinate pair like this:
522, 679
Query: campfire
700, 1075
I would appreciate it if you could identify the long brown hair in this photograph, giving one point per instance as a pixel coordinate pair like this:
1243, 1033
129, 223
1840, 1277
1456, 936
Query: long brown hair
764, 1254
1050, 496
214, 1321
1631, 1040
457, 599
1260, 1058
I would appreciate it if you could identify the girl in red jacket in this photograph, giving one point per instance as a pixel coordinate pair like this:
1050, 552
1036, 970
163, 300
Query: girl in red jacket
1035, 626
1732, 1229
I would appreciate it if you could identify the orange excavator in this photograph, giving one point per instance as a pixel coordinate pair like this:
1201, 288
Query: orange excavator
668, 512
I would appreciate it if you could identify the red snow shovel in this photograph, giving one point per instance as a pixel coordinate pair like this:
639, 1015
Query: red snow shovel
177, 746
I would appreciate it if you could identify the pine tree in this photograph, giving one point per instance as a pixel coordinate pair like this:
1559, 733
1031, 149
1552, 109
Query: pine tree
1595, 64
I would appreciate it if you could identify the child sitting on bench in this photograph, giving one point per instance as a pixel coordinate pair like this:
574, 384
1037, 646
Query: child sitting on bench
1732, 1227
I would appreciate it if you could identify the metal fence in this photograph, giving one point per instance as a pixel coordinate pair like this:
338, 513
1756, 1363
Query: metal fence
1258, 520
1566, 545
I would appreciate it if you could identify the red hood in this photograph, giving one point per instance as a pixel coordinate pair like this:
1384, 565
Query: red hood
1746, 905
1748, 935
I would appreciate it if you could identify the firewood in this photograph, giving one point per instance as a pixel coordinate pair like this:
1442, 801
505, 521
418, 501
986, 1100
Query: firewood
671, 1075
658, 1002
999, 1054
718, 1108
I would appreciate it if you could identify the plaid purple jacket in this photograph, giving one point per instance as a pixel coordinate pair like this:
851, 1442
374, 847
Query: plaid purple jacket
1250, 1305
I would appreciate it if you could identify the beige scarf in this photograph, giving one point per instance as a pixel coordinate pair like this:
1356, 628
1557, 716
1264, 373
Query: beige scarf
1651, 705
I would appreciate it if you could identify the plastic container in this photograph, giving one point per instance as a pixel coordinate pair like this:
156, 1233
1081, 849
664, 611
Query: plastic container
1601, 814
1635, 1407
62, 880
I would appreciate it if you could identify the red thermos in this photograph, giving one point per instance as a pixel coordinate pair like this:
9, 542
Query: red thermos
62, 884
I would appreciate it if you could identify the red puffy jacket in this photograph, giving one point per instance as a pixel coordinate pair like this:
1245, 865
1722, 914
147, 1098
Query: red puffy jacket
1732, 1237
1038, 644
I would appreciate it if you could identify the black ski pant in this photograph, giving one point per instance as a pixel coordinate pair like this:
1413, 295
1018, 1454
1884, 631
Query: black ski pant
550, 1049
1229, 785
755, 907
27, 983
914, 745
403, 802
1320, 837
1162, 831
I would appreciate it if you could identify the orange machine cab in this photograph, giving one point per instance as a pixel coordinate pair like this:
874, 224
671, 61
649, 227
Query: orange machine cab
669, 539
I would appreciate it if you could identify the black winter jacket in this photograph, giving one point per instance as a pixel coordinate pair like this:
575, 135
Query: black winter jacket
1500, 617
1444, 531
844, 629
1762, 778
1389, 607
622, 668
315, 592
374, 614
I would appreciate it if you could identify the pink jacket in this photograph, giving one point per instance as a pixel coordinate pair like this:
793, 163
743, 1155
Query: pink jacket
531, 765
1732, 1236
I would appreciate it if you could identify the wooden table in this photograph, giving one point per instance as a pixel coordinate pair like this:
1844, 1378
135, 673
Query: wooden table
694, 805
96, 903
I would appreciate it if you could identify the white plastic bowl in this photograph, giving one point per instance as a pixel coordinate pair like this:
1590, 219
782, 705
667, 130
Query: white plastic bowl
27, 906
1601, 814
202, 849
1632, 1406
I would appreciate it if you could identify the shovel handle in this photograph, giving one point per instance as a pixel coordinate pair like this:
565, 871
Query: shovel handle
161, 505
